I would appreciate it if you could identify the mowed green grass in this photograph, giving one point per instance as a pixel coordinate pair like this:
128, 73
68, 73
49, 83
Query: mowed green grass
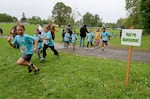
115, 39
71, 77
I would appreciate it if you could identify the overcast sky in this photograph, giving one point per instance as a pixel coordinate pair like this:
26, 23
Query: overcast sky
108, 10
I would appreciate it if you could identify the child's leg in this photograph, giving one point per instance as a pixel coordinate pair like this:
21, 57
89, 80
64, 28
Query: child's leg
73, 44
38, 53
64, 44
106, 43
91, 44
100, 43
95, 42
67, 44
103, 43
88, 44
25, 60
54, 50
44, 50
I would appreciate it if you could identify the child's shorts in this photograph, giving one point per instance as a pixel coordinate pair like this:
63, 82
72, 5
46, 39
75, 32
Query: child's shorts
73, 42
97, 41
66, 42
105, 42
27, 57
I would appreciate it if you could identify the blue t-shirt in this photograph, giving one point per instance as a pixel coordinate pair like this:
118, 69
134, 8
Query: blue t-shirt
105, 36
67, 37
74, 38
38, 36
48, 35
90, 36
25, 43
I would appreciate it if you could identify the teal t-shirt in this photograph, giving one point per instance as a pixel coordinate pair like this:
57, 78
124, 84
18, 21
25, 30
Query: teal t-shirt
38, 36
50, 42
105, 36
74, 38
67, 37
90, 36
25, 43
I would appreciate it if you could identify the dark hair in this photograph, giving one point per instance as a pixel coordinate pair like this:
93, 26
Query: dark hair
104, 28
20, 25
37, 30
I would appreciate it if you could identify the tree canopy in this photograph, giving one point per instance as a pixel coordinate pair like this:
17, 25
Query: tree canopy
92, 20
139, 14
61, 13
7, 18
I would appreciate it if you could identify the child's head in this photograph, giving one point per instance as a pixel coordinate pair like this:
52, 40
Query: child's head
46, 28
20, 29
53, 27
67, 31
97, 30
103, 29
90, 30
74, 32
36, 31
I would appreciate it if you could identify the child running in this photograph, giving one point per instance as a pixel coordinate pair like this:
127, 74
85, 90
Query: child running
105, 36
39, 48
66, 39
48, 43
25, 43
74, 39
90, 37
97, 38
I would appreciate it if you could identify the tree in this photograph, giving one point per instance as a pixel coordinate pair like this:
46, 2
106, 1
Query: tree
23, 19
139, 13
132, 6
145, 15
35, 20
6, 18
92, 20
87, 19
97, 20
111, 25
15, 19
61, 13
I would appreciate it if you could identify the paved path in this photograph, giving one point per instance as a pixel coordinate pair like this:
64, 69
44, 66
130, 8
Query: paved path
109, 52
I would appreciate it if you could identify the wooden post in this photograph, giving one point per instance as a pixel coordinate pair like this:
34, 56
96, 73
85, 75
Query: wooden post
128, 65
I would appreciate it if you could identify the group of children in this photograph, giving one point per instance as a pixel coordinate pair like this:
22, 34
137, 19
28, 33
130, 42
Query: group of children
100, 39
37, 43
70, 38
44, 39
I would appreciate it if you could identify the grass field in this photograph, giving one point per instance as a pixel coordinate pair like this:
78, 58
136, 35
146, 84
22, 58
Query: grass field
71, 77
115, 40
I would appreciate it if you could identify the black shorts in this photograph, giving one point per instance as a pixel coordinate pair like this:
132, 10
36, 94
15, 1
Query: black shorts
106, 42
66, 42
27, 57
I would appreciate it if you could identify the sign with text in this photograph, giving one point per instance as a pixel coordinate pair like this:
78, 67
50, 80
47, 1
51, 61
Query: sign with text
131, 37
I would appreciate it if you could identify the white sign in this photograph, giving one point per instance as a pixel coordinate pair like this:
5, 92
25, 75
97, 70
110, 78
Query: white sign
131, 37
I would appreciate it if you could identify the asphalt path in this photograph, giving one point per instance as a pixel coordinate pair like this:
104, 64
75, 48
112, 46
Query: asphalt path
111, 52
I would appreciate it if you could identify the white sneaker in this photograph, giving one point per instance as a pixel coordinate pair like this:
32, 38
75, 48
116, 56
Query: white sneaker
42, 59
92, 48
86, 48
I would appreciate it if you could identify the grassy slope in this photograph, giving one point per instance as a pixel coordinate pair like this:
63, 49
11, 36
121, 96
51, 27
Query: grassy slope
71, 77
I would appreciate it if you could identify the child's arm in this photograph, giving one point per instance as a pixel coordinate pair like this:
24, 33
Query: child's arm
35, 44
11, 44
45, 38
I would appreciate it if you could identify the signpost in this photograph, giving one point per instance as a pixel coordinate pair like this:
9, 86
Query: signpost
131, 37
